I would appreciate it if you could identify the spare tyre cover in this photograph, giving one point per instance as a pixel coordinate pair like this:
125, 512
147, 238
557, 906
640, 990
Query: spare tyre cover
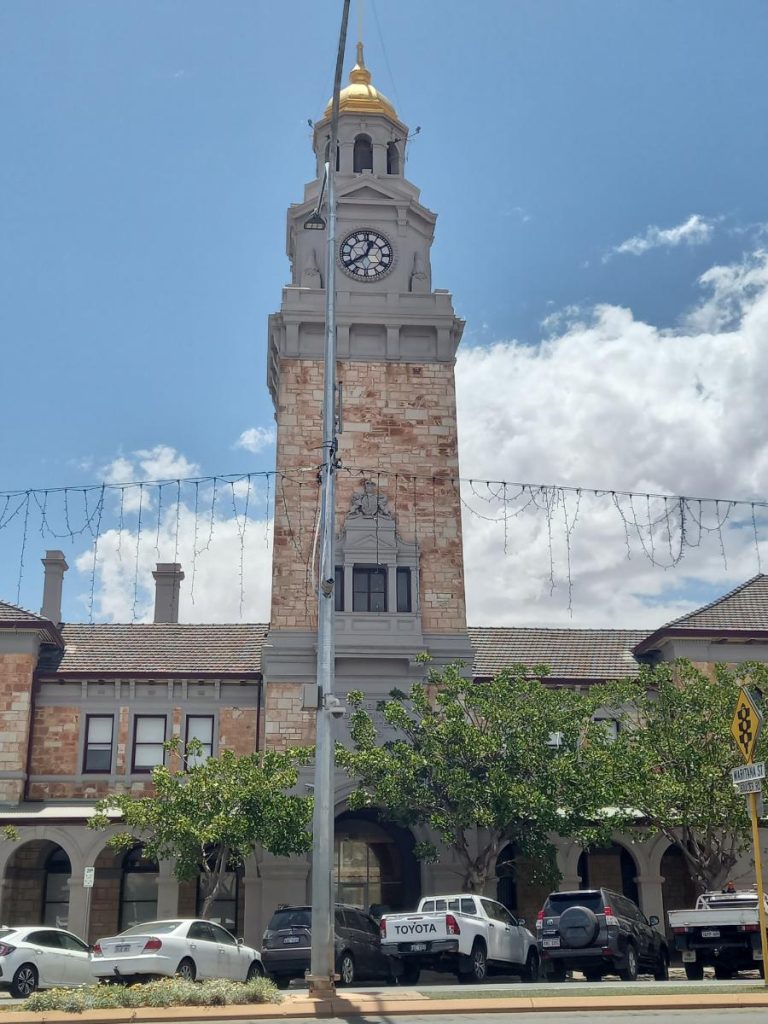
578, 927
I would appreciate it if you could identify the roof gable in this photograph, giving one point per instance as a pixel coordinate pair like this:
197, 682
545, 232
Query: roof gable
742, 610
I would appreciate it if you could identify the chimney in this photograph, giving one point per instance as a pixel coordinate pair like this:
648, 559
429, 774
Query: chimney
168, 577
55, 566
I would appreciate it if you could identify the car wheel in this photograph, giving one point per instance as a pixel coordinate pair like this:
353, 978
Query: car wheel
411, 974
629, 973
723, 973
593, 975
254, 971
478, 966
186, 970
694, 972
24, 981
531, 969
555, 972
661, 972
346, 969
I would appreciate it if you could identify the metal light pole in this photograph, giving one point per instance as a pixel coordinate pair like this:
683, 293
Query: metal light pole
322, 976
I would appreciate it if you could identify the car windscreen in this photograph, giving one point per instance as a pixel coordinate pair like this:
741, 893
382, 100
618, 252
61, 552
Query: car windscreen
296, 917
6, 931
152, 928
557, 903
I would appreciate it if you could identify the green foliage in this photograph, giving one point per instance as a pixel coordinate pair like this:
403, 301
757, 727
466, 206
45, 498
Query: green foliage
469, 754
209, 815
166, 992
10, 832
673, 756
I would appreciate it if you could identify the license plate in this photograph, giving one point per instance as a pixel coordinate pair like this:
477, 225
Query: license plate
122, 947
418, 947
291, 939
710, 933
550, 943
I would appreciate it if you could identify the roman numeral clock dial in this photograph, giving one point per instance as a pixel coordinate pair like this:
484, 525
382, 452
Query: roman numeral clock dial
366, 255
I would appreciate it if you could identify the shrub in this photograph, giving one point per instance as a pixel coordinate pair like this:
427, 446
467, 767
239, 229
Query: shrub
165, 992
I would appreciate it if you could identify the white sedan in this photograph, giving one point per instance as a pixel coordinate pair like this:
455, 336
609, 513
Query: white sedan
39, 957
189, 948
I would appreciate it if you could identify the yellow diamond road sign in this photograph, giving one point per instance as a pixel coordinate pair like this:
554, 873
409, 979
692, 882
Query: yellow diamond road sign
746, 724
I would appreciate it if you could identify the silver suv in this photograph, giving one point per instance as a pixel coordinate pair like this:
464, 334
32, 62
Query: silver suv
599, 932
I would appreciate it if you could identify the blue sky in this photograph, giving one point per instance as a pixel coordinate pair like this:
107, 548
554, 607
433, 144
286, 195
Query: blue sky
151, 149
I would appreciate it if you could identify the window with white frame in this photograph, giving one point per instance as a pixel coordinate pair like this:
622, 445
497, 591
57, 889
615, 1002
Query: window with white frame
148, 740
97, 752
610, 724
200, 728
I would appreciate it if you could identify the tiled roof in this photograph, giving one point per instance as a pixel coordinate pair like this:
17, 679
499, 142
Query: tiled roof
588, 654
13, 617
12, 613
742, 610
165, 648
746, 607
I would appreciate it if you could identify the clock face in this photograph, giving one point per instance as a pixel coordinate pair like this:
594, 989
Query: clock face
366, 255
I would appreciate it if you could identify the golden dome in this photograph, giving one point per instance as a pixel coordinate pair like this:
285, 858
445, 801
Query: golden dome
360, 97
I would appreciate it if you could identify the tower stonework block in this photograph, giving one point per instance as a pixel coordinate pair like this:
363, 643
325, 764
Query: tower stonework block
399, 586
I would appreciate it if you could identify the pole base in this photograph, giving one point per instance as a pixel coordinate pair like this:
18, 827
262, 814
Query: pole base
321, 986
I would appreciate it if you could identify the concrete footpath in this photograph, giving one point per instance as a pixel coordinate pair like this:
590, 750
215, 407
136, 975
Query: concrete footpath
401, 1002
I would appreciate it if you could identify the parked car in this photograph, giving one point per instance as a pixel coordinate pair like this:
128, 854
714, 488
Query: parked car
187, 947
288, 939
40, 957
599, 932
723, 931
470, 936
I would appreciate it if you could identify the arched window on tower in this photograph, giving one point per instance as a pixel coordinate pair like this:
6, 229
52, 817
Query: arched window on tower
393, 158
362, 157
328, 150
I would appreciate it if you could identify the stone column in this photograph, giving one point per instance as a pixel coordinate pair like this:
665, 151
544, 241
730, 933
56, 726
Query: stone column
651, 897
79, 906
167, 892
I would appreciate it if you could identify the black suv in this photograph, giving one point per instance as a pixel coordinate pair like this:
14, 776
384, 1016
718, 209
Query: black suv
599, 932
287, 942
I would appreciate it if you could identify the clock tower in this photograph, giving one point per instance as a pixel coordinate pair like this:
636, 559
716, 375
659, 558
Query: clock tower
399, 586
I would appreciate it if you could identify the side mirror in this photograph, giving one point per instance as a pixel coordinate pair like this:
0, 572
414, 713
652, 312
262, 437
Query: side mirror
654, 920
239, 942
521, 922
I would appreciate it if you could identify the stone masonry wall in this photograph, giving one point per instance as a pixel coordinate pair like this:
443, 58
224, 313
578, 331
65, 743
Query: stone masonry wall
56, 751
399, 424
16, 672
55, 740
287, 725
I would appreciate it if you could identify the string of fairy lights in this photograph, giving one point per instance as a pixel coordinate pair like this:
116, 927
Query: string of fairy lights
137, 523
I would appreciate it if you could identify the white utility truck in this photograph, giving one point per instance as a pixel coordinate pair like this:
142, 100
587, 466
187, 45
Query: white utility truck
723, 931
466, 935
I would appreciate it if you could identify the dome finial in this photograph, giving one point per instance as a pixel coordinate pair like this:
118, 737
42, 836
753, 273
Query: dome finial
360, 61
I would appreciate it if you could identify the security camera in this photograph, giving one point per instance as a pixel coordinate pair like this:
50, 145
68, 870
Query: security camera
334, 705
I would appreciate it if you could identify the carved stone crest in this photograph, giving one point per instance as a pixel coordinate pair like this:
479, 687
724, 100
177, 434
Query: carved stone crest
369, 502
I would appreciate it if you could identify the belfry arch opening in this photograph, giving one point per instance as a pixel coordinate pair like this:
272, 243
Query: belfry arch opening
393, 158
362, 154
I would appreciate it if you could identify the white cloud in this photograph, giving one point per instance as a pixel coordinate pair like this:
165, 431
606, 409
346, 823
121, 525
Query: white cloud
696, 230
217, 552
613, 402
256, 439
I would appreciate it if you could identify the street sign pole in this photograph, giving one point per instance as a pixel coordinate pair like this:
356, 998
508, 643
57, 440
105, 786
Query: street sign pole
752, 799
746, 726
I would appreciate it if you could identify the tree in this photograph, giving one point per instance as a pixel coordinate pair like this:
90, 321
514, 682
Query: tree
672, 759
516, 758
208, 816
